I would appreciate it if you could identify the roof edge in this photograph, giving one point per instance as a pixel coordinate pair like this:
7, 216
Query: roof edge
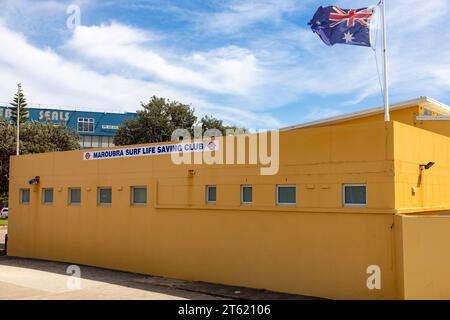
430, 102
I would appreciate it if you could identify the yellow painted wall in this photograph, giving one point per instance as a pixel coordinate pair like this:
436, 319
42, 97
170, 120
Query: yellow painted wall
316, 248
412, 147
425, 256
441, 127
422, 235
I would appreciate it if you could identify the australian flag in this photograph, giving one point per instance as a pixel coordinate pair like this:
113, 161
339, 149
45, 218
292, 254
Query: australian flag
346, 26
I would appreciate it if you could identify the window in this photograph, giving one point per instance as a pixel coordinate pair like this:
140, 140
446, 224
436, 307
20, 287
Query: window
104, 196
85, 124
138, 196
96, 142
47, 196
286, 195
104, 142
25, 196
86, 141
211, 194
355, 194
246, 194
74, 196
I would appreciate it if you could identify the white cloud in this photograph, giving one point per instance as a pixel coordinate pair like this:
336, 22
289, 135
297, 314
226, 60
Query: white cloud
49, 78
280, 67
241, 14
414, 15
38, 18
317, 113
242, 80
229, 70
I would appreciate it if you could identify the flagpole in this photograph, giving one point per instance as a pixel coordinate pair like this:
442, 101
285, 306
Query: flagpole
19, 86
387, 117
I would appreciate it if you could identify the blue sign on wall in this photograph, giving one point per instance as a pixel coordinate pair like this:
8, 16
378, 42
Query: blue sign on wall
85, 122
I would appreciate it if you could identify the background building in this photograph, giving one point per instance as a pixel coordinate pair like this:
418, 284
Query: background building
96, 129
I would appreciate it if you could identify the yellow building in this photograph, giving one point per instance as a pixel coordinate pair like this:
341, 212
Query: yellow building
351, 213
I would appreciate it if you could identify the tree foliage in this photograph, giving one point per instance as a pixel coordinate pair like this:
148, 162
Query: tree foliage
209, 122
19, 98
35, 137
159, 119
156, 122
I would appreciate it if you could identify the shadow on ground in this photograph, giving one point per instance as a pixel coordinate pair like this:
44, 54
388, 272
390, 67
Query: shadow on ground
111, 284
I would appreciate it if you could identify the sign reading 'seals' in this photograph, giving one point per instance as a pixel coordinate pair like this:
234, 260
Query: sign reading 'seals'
204, 146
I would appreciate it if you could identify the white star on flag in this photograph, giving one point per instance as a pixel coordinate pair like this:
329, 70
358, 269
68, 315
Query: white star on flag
348, 37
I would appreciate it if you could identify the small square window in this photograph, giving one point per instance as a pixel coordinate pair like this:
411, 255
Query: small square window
25, 196
211, 195
74, 196
286, 195
47, 196
355, 194
246, 194
138, 196
104, 196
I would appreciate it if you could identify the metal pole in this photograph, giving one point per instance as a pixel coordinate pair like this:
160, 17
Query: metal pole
387, 117
18, 120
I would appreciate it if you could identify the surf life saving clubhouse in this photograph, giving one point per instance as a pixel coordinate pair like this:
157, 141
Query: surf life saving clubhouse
358, 208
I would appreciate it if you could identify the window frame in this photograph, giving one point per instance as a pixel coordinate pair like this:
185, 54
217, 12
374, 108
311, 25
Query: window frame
207, 187
246, 203
289, 204
21, 196
137, 204
85, 121
104, 204
357, 205
69, 196
43, 196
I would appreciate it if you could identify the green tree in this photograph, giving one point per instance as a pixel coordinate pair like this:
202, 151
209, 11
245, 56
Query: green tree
35, 137
159, 119
156, 122
209, 122
19, 98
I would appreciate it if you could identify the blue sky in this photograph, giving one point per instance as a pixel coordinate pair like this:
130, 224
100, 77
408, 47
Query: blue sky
254, 63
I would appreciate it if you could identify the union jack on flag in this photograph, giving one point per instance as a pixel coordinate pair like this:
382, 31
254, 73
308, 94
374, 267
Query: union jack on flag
352, 16
346, 26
